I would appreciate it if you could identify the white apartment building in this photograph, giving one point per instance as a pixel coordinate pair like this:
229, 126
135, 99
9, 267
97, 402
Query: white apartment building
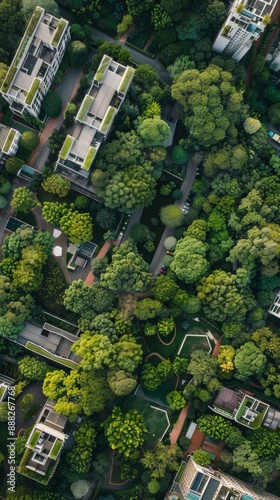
9, 139
35, 63
275, 306
94, 119
246, 21
194, 482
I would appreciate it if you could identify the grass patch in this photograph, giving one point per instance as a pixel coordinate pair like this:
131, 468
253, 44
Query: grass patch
107, 120
52, 357
127, 77
66, 147
167, 351
27, 217
89, 158
34, 438
87, 102
193, 343
58, 32
9, 141
155, 419
32, 91
140, 38
29, 414
55, 449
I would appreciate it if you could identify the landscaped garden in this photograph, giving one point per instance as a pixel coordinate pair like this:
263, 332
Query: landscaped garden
196, 338
156, 419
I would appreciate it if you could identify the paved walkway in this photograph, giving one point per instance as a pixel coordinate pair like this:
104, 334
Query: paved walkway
101, 254
175, 433
67, 90
217, 347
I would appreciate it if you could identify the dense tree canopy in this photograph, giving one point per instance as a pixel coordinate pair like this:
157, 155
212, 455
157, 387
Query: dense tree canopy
211, 103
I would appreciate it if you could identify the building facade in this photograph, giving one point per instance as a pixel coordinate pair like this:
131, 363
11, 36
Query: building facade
44, 445
94, 119
35, 63
275, 306
246, 21
194, 482
9, 139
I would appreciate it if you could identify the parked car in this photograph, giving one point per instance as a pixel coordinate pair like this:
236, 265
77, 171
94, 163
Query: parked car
163, 269
169, 252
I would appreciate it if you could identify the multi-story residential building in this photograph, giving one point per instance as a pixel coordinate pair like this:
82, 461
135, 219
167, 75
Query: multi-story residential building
246, 21
94, 119
35, 63
9, 139
245, 409
44, 445
275, 306
194, 482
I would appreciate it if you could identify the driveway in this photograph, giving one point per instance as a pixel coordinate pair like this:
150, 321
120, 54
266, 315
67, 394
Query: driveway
34, 388
186, 189
137, 57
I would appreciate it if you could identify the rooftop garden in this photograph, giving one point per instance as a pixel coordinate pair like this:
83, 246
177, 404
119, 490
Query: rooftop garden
21, 49
255, 407
56, 449
52, 357
84, 107
32, 91
106, 122
58, 32
102, 68
2, 391
9, 78
126, 79
66, 147
89, 158
34, 438
33, 21
9, 140
22, 469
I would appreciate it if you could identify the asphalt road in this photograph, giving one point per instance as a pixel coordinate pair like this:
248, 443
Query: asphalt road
186, 188
65, 91
137, 57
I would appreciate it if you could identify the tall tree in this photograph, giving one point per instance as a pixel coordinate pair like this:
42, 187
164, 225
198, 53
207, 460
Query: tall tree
125, 431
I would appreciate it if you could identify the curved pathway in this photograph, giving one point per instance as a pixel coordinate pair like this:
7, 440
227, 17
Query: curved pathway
175, 433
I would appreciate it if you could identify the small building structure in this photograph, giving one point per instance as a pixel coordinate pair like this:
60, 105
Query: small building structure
9, 139
194, 482
35, 63
44, 445
275, 306
94, 120
245, 23
246, 410
5, 383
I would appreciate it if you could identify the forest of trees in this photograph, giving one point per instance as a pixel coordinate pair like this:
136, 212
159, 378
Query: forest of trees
221, 262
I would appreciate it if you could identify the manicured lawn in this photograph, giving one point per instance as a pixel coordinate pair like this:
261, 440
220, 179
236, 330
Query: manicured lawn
155, 419
193, 342
45, 354
27, 217
167, 351
159, 395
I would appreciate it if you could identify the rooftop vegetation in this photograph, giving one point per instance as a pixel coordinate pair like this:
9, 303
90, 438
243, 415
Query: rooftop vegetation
107, 119
58, 32
260, 409
53, 357
84, 107
89, 158
34, 438
9, 140
22, 469
102, 68
56, 449
32, 91
9, 78
126, 79
66, 147
33, 21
